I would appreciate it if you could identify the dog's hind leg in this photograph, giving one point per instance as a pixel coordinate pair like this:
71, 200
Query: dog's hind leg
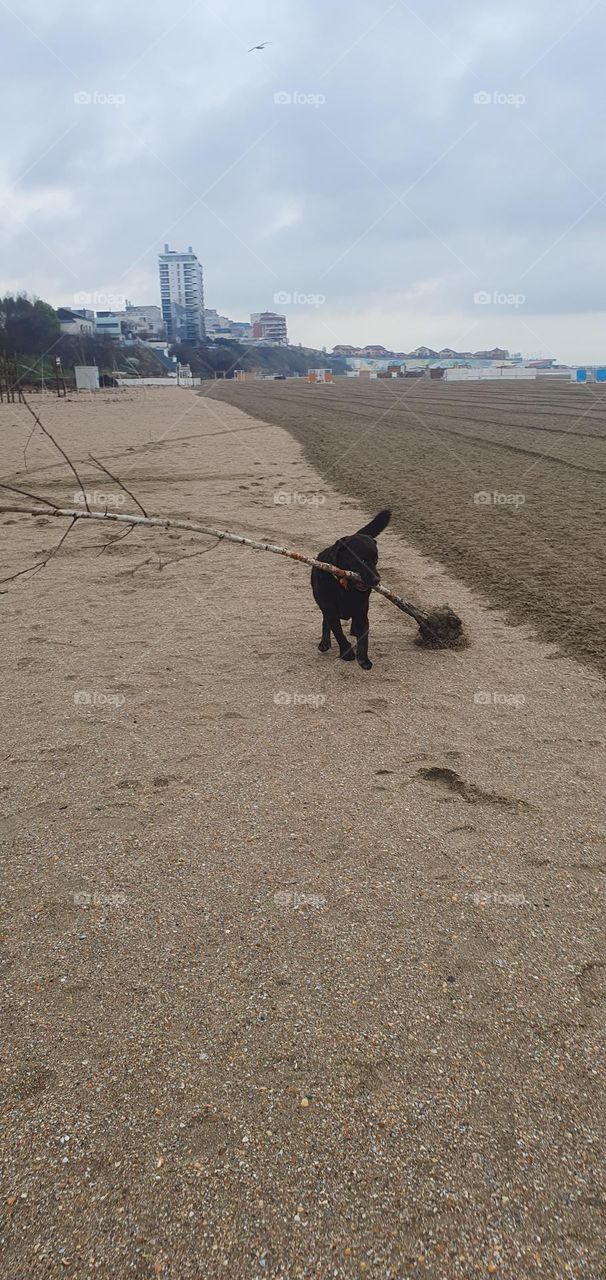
325, 642
359, 627
345, 650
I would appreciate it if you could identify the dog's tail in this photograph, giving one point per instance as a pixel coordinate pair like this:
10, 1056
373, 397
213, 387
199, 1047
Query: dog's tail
377, 525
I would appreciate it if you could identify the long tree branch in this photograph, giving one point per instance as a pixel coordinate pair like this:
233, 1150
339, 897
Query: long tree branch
429, 622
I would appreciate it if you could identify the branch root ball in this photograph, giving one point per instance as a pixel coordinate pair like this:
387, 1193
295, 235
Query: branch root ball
441, 629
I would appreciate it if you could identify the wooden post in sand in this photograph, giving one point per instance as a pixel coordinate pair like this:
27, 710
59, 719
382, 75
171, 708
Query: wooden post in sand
10, 386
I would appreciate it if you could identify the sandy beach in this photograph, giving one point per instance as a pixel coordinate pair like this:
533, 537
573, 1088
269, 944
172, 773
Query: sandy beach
502, 482
303, 966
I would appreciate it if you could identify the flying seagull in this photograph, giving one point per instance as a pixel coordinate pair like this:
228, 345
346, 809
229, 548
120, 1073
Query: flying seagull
259, 46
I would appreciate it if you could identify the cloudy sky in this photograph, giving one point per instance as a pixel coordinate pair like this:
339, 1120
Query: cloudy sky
393, 172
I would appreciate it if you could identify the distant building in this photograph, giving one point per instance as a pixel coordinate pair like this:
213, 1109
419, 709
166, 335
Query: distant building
78, 324
497, 353
218, 326
269, 327
420, 354
143, 321
241, 330
375, 352
182, 295
213, 322
108, 324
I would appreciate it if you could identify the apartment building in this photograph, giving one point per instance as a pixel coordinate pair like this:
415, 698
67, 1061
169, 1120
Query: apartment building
182, 295
269, 327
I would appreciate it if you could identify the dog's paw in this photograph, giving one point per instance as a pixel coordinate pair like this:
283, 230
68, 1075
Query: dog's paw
365, 664
324, 646
348, 655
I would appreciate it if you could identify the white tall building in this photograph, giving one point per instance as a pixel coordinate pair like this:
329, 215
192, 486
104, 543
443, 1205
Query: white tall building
182, 295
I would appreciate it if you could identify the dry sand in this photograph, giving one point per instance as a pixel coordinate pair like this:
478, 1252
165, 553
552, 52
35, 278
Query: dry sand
303, 965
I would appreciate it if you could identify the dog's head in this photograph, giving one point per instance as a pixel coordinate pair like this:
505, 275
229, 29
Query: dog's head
359, 554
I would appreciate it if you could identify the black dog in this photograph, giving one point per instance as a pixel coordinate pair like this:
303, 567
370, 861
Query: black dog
350, 600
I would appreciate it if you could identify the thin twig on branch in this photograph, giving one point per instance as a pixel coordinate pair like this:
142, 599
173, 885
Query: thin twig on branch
141, 565
26, 446
117, 481
36, 497
111, 541
202, 551
35, 568
46, 432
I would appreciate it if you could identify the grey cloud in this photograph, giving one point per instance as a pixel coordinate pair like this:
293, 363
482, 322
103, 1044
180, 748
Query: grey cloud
495, 195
